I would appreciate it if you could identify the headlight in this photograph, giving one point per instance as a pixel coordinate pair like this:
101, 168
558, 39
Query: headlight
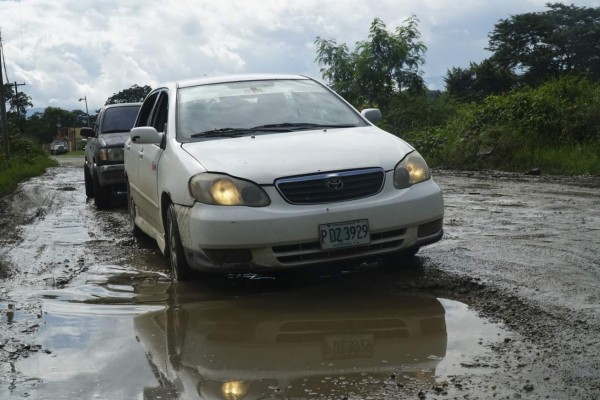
224, 190
411, 170
114, 154
234, 390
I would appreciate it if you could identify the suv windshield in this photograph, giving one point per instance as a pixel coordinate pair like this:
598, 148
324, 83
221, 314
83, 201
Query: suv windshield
119, 119
248, 107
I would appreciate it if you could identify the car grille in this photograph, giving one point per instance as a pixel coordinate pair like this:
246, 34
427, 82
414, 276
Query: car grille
331, 187
298, 254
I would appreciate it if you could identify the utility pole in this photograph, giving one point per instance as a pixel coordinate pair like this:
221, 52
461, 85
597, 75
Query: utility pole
3, 106
18, 105
87, 113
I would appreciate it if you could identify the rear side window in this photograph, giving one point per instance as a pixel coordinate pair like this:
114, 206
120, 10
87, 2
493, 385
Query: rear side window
119, 119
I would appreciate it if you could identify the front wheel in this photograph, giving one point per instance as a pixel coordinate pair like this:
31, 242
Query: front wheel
101, 194
133, 228
178, 262
89, 185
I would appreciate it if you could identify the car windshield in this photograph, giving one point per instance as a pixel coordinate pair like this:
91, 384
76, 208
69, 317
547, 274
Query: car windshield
262, 106
119, 119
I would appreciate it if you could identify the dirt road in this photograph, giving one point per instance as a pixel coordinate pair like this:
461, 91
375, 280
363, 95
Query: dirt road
507, 305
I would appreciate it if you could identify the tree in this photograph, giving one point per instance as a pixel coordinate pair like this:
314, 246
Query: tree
17, 101
564, 40
479, 81
42, 125
134, 94
387, 63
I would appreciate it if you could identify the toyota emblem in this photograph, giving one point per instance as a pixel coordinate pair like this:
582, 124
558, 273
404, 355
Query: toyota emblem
335, 184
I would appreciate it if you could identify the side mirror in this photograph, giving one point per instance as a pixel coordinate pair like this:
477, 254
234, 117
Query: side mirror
145, 135
87, 132
373, 115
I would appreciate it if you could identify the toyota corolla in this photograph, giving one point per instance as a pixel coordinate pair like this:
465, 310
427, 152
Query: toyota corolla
265, 172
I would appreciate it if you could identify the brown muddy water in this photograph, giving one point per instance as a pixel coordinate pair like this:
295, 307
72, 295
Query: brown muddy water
127, 335
89, 312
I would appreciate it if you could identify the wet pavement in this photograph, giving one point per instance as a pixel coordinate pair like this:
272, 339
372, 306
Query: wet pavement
506, 306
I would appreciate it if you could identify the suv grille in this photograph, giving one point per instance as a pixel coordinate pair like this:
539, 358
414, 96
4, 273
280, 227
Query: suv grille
331, 187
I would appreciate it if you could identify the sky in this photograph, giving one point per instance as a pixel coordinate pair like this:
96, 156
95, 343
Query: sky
64, 50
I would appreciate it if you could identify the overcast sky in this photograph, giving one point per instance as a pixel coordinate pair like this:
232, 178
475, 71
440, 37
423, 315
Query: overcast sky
67, 49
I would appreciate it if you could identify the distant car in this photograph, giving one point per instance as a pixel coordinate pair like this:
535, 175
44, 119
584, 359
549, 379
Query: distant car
58, 148
103, 169
264, 172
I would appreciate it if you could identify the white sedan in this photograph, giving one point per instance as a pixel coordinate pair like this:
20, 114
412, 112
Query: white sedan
264, 172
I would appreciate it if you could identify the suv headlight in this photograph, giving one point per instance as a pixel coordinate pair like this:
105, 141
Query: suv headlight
224, 190
411, 170
111, 154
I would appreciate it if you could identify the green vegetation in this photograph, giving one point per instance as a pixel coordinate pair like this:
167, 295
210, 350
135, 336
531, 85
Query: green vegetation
535, 103
554, 127
26, 160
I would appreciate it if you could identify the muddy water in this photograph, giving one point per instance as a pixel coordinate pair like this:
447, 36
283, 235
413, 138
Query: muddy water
88, 312
123, 334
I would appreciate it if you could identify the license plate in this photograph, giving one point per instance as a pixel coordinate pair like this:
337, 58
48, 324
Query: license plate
344, 234
338, 347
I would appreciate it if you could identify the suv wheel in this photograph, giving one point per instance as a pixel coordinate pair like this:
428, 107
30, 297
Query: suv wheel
89, 185
178, 262
101, 194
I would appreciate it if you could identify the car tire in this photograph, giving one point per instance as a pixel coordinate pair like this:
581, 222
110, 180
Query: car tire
177, 261
131, 210
101, 194
89, 185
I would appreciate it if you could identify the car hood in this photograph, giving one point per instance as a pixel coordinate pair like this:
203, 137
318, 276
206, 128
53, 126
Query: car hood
264, 158
116, 139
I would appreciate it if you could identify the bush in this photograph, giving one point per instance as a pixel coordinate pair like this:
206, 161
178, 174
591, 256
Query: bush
555, 127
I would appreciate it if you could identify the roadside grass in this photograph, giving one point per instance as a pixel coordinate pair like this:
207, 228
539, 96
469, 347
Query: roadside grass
18, 168
567, 160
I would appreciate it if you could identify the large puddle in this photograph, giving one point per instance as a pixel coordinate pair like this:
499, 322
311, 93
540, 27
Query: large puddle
126, 335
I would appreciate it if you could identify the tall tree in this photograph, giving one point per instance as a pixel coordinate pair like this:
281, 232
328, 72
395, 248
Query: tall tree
563, 40
479, 81
134, 94
386, 63
20, 100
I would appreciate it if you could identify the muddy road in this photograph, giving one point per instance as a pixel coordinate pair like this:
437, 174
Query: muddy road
507, 305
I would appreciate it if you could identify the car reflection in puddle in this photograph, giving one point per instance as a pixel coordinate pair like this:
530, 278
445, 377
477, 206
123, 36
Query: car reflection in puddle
289, 345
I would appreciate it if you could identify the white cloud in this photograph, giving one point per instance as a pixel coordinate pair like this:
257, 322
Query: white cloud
67, 49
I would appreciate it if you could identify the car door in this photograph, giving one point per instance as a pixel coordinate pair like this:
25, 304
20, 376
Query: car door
148, 162
134, 153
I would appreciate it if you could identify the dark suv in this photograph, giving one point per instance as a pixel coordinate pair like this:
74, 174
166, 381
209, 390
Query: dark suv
103, 169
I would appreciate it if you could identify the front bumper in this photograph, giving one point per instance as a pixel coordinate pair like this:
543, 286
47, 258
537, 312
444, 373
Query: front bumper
112, 174
286, 235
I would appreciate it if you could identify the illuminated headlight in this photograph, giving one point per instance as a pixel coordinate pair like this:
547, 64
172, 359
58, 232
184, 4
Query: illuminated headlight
411, 170
224, 190
115, 154
234, 390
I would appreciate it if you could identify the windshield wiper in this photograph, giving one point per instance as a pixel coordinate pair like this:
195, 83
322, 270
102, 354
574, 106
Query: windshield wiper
233, 132
116, 131
303, 125
225, 132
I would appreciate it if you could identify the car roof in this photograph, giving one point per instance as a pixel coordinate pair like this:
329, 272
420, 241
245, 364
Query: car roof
234, 78
122, 105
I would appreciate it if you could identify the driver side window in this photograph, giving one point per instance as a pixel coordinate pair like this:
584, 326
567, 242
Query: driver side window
145, 114
161, 113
